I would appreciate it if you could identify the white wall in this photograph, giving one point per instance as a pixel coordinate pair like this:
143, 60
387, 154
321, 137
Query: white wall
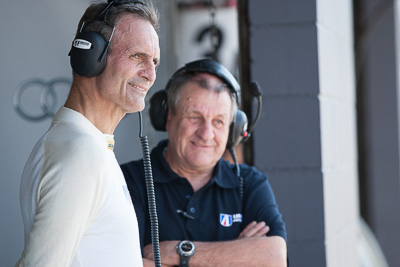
338, 131
36, 37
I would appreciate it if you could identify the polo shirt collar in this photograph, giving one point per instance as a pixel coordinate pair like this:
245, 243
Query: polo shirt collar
224, 175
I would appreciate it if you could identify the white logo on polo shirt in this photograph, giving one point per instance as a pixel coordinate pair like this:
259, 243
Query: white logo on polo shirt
227, 220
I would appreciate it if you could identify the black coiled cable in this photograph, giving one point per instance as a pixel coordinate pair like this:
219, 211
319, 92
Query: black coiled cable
151, 197
241, 182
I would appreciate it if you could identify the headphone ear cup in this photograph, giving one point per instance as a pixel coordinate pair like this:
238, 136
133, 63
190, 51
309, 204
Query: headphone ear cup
159, 110
86, 55
237, 128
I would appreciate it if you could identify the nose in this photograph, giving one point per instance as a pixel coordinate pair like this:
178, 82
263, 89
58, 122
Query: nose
148, 71
205, 131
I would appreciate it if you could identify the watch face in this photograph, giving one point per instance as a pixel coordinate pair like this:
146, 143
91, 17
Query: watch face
186, 247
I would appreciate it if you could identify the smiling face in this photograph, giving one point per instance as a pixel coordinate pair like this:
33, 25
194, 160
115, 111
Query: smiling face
131, 64
199, 129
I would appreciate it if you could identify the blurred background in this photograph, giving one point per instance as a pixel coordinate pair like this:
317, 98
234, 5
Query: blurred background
328, 136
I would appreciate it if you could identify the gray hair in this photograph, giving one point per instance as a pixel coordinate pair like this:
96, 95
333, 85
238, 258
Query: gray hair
92, 22
175, 89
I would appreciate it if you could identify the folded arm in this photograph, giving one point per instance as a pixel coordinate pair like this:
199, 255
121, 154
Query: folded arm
252, 248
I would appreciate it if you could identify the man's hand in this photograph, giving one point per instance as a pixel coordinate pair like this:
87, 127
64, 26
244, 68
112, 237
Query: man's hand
254, 248
169, 255
149, 263
254, 229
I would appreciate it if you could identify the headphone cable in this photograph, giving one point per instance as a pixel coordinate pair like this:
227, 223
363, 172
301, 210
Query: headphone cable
151, 198
237, 168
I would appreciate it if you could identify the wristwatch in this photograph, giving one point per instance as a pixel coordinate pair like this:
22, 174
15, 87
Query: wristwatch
186, 250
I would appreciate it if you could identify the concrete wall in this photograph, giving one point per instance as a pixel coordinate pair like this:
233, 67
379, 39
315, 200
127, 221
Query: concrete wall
302, 55
339, 131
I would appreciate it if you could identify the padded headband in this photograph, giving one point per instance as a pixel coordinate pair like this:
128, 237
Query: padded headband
212, 67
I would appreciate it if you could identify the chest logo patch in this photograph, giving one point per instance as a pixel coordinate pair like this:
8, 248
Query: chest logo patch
227, 220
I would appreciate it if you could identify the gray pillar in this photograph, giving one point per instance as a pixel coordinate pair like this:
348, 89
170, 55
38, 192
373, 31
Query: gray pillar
301, 53
378, 68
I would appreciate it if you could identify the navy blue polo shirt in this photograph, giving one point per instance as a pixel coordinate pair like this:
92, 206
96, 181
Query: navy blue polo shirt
216, 212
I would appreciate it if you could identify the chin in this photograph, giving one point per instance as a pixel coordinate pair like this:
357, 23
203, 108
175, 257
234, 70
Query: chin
203, 163
136, 107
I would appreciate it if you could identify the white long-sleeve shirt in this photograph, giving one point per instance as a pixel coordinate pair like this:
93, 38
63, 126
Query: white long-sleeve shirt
75, 204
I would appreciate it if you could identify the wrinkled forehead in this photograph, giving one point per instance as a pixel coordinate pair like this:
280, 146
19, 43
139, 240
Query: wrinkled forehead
207, 101
199, 89
205, 84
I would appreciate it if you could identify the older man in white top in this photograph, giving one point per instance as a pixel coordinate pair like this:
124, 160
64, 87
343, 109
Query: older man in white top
75, 204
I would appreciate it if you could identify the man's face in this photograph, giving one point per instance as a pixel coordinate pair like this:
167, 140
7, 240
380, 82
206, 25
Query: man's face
199, 130
130, 70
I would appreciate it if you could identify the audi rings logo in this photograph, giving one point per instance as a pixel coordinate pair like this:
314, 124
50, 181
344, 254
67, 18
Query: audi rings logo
37, 99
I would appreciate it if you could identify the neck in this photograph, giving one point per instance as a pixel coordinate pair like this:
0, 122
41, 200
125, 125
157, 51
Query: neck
196, 177
85, 99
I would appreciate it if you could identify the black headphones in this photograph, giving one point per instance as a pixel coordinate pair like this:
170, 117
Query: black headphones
159, 106
88, 54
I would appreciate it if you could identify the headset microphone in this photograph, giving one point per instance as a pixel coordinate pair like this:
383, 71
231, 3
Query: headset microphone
256, 92
255, 89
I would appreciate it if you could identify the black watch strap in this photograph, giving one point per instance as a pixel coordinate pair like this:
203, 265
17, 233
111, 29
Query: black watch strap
184, 261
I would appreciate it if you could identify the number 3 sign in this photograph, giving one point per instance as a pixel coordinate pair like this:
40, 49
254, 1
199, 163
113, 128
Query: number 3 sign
197, 37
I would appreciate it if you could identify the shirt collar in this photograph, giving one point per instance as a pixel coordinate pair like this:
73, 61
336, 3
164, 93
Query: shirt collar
69, 115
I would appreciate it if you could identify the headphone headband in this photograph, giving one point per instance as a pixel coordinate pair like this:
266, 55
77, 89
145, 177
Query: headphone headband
212, 67
103, 15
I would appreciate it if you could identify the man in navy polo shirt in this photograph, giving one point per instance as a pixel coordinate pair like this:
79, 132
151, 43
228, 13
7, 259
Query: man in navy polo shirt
203, 218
